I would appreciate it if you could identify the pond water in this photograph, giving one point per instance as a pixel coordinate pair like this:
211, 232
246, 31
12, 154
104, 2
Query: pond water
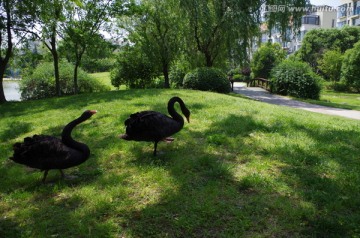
12, 90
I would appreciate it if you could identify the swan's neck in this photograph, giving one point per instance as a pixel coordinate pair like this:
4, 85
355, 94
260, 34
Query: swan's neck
70, 142
174, 114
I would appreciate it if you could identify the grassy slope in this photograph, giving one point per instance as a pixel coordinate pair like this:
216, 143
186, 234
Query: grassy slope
240, 168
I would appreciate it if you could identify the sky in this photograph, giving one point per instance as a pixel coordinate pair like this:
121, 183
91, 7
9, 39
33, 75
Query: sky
333, 3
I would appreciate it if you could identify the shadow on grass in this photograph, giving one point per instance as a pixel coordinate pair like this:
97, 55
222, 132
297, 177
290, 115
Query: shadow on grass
211, 202
14, 129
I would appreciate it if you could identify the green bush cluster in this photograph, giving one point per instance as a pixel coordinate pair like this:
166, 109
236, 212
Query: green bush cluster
296, 79
133, 69
41, 82
98, 65
350, 70
176, 77
207, 79
266, 58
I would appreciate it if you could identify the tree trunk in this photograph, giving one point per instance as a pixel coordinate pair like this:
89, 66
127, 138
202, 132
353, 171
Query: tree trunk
4, 61
166, 75
2, 93
77, 64
56, 64
208, 58
76, 78
2, 73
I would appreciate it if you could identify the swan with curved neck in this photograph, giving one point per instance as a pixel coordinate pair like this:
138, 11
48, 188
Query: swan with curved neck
155, 126
47, 152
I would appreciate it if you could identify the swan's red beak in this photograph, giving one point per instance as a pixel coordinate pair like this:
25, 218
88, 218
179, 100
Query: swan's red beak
92, 111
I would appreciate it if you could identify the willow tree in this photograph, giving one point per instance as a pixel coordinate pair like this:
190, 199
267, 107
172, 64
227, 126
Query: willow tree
217, 25
285, 15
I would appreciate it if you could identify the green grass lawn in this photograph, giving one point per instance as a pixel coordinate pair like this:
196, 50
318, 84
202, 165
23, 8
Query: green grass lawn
241, 168
338, 100
104, 78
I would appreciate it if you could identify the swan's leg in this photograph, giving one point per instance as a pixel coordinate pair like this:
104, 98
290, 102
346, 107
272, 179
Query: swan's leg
62, 174
45, 174
155, 146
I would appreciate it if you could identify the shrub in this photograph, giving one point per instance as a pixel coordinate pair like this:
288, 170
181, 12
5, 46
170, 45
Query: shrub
340, 86
207, 79
133, 69
98, 65
351, 68
176, 77
265, 58
296, 79
238, 78
178, 70
330, 65
41, 82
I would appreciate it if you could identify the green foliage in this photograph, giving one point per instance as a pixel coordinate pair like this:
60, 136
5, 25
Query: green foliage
317, 41
159, 33
296, 79
133, 69
92, 65
266, 58
330, 65
340, 86
239, 78
41, 83
176, 77
207, 79
213, 26
178, 71
350, 70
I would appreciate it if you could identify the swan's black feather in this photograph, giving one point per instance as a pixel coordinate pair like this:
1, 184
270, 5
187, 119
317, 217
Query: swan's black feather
151, 126
155, 126
47, 152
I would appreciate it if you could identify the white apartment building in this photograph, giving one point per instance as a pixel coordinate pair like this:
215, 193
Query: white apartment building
348, 13
320, 17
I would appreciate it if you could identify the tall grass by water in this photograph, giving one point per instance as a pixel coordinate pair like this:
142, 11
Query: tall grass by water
240, 169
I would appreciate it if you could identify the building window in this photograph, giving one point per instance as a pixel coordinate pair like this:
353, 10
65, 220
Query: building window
342, 10
333, 23
311, 20
341, 24
357, 8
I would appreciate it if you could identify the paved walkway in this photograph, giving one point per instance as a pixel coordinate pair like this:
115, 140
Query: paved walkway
264, 96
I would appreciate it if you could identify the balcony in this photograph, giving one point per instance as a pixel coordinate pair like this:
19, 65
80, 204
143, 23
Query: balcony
310, 20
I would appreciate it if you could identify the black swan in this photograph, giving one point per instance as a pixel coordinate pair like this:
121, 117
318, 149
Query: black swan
47, 152
155, 126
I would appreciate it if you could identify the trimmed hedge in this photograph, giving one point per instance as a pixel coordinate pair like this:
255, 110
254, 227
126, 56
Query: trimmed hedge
296, 79
207, 79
